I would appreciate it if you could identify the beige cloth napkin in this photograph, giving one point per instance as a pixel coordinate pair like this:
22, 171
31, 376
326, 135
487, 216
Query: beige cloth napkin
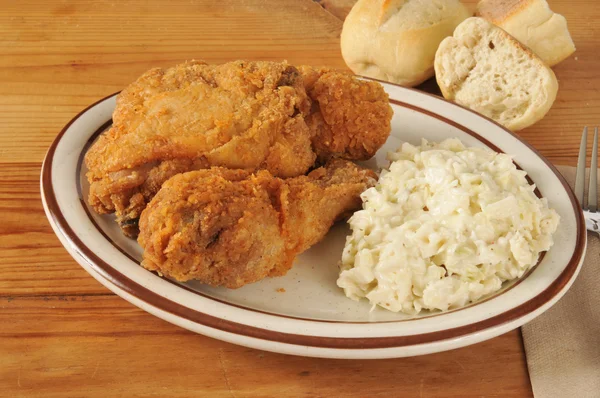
563, 344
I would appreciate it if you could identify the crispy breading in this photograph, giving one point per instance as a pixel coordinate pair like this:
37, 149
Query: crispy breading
239, 115
348, 115
230, 228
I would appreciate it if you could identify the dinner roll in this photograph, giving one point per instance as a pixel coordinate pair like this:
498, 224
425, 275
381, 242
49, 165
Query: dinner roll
533, 23
396, 40
486, 69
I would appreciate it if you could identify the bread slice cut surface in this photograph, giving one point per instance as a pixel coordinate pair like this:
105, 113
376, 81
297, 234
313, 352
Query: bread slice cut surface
484, 68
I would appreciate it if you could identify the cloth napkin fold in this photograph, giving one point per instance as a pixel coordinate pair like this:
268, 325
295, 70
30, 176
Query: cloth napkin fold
563, 344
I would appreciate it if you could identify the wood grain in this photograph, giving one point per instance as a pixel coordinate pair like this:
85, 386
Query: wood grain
33, 262
63, 334
86, 346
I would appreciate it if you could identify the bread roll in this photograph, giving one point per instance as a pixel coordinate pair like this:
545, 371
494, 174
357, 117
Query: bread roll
486, 69
396, 40
533, 23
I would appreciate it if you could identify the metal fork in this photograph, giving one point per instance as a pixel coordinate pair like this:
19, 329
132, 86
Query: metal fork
590, 212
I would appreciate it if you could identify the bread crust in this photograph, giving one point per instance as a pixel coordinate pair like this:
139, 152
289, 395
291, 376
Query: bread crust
534, 24
498, 11
396, 40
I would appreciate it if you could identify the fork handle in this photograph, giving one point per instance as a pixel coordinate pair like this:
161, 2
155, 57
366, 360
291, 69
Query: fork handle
592, 221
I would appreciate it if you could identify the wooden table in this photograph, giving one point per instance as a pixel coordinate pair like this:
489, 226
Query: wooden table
63, 334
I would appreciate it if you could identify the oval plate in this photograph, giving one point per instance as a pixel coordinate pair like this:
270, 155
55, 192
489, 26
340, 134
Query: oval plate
304, 312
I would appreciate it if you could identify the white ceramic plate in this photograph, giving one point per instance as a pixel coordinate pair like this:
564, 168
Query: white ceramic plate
312, 316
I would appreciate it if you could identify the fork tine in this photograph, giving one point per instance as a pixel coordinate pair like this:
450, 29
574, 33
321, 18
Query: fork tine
593, 191
580, 176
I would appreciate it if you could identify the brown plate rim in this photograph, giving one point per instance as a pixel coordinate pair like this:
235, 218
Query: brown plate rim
161, 303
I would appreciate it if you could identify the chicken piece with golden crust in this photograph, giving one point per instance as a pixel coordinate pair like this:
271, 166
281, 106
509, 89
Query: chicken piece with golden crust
350, 118
230, 228
239, 115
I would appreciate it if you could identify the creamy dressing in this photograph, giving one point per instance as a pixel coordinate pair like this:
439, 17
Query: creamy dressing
444, 226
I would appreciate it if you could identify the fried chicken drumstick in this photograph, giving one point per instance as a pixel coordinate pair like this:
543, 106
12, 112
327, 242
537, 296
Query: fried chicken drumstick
239, 115
230, 227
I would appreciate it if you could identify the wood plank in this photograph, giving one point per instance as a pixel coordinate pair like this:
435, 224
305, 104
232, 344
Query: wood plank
94, 346
33, 262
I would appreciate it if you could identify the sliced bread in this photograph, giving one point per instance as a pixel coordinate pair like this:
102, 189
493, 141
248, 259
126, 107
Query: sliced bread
484, 68
534, 24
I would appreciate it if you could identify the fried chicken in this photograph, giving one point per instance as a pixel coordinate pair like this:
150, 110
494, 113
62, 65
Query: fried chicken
348, 116
239, 115
229, 228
